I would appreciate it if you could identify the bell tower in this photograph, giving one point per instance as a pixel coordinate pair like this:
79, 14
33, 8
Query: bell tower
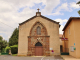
38, 13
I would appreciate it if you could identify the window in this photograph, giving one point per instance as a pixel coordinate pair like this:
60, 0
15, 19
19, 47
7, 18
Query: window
38, 30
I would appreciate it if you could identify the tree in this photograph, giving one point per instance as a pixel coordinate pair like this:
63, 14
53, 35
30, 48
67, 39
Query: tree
3, 43
78, 2
79, 12
79, 5
14, 37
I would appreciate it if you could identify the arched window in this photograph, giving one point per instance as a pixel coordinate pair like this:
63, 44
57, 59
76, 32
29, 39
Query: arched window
38, 30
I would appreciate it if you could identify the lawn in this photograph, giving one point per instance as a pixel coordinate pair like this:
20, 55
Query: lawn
14, 54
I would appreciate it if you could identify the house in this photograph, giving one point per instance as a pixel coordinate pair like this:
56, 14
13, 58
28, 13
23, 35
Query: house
72, 32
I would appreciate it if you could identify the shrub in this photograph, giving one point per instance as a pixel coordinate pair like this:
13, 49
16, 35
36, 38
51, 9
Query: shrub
3, 50
7, 49
14, 49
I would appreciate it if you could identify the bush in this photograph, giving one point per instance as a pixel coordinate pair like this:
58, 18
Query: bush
3, 50
7, 49
14, 49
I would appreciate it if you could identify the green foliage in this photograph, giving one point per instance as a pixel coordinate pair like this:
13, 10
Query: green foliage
3, 43
14, 49
79, 12
14, 54
78, 2
3, 50
1, 38
79, 5
7, 49
14, 37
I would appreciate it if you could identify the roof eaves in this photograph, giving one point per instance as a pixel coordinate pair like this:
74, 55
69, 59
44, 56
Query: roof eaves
27, 20
49, 19
67, 23
70, 21
42, 17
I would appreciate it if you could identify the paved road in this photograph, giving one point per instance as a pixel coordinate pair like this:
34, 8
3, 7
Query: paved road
8, 57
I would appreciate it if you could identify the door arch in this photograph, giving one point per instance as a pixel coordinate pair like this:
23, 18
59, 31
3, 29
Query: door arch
38, 49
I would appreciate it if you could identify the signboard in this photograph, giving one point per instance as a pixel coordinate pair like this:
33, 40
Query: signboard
74, 44
51, 48
72, 48
52, 51
64, 38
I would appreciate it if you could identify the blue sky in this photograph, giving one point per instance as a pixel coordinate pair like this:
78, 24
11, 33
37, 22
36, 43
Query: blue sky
13, 12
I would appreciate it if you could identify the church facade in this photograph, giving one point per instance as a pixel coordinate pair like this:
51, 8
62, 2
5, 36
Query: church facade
38, 36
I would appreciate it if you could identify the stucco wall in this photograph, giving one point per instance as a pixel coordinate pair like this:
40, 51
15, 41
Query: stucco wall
70, 37
77, 36
73, 37
24, 32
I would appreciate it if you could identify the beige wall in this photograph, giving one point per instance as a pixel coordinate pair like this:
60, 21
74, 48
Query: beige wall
73, 37
70, 37
77, 36
24, 31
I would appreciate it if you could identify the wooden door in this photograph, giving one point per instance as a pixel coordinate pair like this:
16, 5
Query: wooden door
38, 51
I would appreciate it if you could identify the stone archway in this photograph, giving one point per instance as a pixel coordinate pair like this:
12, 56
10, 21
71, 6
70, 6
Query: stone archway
43, 39
38, 49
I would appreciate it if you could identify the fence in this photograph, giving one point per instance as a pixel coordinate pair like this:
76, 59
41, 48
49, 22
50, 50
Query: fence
64, 51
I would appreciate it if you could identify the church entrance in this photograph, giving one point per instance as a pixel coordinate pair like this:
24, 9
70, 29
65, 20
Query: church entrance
38, 49
38, 40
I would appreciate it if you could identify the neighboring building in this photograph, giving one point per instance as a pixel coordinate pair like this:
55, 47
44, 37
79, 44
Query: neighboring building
72, 32
38, 36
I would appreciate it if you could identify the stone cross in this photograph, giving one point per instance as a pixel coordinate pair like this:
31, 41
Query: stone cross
38, 9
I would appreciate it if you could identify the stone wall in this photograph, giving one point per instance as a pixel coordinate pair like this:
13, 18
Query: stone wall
33, 39
52, 35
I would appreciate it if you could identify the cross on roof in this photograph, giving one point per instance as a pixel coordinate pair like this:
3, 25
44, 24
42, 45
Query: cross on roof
38, 9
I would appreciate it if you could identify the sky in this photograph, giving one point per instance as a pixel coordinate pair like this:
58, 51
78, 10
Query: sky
13, 12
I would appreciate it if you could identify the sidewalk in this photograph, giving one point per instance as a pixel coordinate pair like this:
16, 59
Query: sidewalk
68, 57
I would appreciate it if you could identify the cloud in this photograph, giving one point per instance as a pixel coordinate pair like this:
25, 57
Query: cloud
61, 23
60, 29
49, 6
77, 0
62, 7
65, 7
74, 5
13, 12
56, 13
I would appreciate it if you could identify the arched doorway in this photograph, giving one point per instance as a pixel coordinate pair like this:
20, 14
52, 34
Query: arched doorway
38, 49
38, 30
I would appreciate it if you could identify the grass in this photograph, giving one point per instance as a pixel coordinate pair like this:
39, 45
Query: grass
14, 54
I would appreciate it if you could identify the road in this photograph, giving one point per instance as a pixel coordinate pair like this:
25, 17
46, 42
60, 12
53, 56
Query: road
8, 57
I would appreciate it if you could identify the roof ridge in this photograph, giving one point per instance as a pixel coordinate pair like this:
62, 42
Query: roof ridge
49, 19
69, 20
40, 16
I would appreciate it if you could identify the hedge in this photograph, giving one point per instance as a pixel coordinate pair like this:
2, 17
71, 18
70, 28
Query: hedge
14, 49
7, 49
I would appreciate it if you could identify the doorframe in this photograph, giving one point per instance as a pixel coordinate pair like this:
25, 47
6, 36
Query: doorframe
42, 50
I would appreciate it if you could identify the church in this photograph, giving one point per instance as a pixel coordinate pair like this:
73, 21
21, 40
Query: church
39, 36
